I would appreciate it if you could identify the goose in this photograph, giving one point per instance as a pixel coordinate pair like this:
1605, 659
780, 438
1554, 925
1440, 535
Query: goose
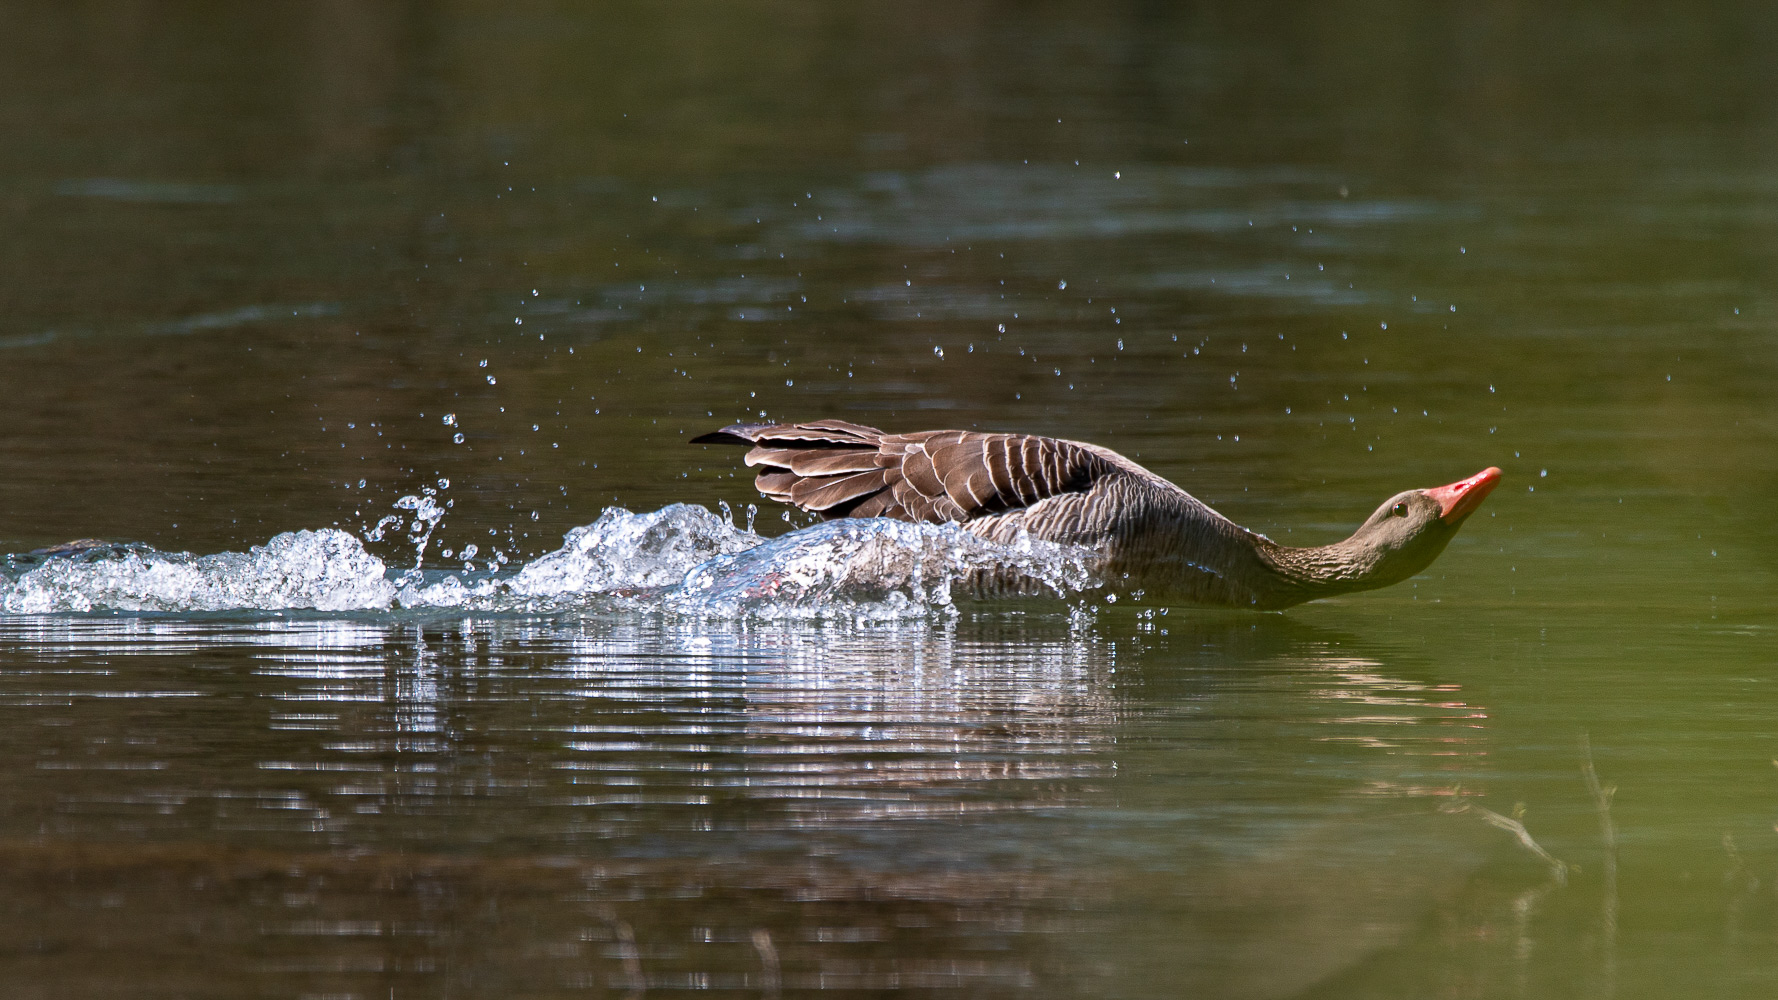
1144, 531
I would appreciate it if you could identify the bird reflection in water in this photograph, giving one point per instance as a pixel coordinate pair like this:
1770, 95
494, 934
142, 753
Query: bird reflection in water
619, 801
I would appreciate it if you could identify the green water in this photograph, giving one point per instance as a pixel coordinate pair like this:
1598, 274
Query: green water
1295, 259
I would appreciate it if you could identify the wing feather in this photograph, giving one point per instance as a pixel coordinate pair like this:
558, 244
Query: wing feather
828, 463
917, 468
776, 484
998, 458
762, 455
831, 491
841, 469
881, 504
960, 465
844, 428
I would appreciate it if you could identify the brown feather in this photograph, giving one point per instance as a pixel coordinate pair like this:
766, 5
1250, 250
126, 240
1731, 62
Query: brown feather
818, 434
846, 429
763, 455
831, 462
922, 478
935, 510
965, 475
917, 506
1000, 468
841, 469
1020, 456
880, 504
832, 491
776, 484
1054, 464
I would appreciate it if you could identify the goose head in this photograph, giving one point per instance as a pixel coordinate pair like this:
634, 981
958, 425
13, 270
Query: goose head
1409, 530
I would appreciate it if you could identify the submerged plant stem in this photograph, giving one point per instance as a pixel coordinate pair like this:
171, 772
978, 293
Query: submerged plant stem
1602, 795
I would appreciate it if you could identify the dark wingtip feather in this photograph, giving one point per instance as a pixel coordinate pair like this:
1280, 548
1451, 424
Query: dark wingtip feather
732, 434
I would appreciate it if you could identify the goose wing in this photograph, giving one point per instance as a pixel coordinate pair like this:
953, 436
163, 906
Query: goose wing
840, 469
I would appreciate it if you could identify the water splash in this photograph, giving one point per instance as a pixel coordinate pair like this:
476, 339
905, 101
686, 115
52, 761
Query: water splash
427, 513
621, 552
681, 560
327, 570
874, 569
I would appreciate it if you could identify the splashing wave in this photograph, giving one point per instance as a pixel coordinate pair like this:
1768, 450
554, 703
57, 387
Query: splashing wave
326, 570
681, 560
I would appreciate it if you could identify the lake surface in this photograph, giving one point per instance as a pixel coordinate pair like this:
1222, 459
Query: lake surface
277, 270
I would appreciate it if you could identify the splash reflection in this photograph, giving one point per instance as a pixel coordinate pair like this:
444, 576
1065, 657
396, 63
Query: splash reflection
640, 802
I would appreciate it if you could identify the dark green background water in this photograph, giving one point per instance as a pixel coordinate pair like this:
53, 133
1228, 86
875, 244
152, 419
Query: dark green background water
1294, 257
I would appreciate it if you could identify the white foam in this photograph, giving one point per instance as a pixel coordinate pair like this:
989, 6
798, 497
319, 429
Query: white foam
873, 569
619, 552
622, 551
679, 560
327, 570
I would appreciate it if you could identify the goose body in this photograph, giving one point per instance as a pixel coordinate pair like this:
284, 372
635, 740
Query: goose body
1147, 532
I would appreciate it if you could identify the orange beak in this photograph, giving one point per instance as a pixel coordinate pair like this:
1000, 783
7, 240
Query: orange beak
1459, 499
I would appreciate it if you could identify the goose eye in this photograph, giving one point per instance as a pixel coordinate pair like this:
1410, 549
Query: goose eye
1399, 510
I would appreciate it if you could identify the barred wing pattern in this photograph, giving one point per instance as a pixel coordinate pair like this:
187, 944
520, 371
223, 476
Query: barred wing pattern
840, 469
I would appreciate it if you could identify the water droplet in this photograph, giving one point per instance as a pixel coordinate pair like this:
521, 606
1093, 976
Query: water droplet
484, 363
938, 352
517, 321
450, 420
457, 438
490, 380
1061, 284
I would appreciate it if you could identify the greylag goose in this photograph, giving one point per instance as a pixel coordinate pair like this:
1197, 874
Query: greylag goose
1148, 533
